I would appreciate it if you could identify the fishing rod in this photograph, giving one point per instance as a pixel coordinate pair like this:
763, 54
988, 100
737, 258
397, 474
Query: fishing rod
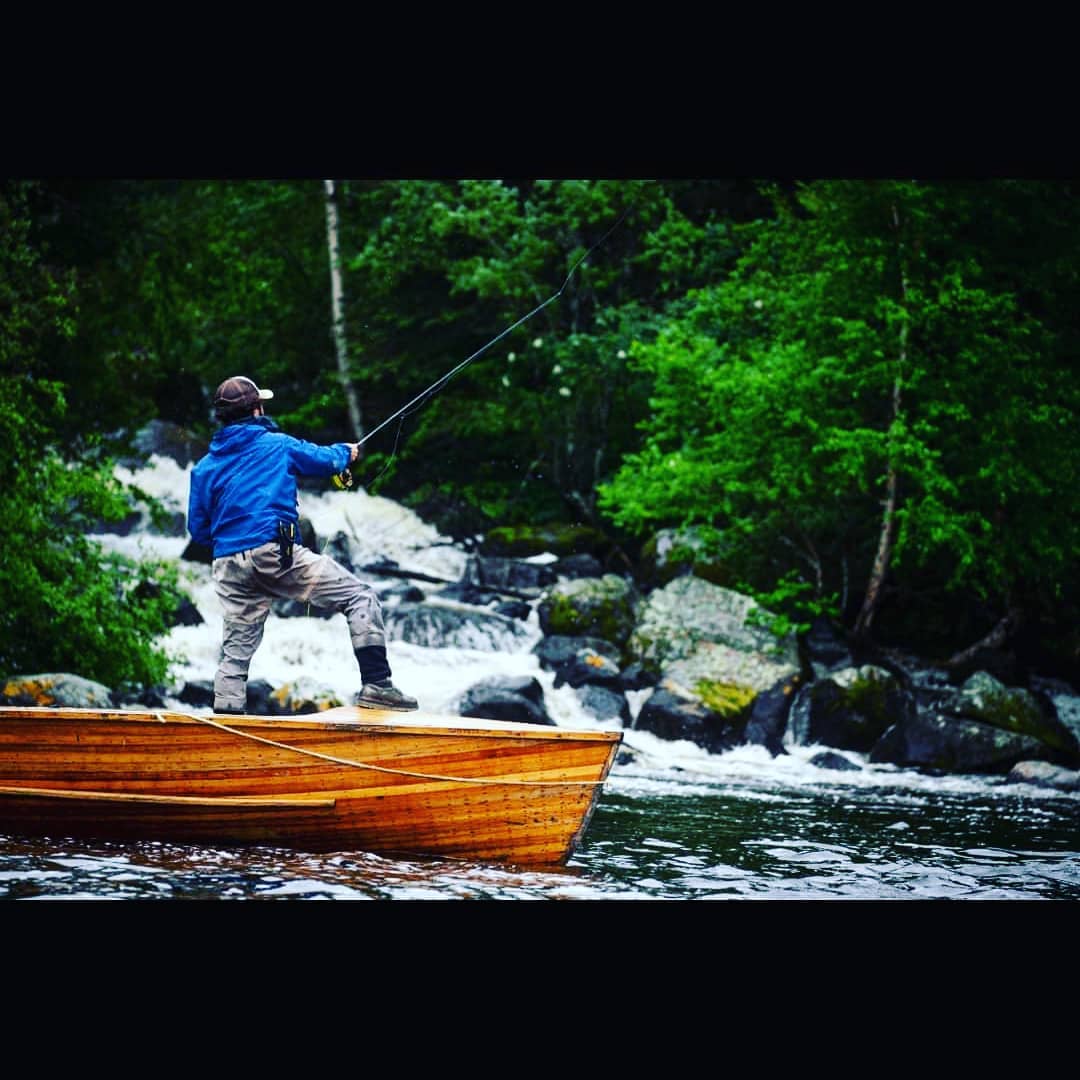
343, 479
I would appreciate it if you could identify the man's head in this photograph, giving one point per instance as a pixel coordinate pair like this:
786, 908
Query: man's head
237, 398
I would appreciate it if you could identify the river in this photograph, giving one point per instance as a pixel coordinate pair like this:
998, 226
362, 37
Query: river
673, 823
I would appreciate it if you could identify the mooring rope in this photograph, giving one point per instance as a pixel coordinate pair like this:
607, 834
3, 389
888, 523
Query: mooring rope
382, 768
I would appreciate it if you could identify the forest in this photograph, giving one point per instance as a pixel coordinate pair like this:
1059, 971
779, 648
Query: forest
853, 399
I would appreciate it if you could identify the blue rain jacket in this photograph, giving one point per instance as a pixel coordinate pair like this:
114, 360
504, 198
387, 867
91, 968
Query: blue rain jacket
246, 484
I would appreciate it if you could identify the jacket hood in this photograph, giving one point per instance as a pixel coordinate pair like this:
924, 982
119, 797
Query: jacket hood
236, 438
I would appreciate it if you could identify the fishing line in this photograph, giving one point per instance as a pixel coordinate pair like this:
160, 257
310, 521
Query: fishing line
441, 382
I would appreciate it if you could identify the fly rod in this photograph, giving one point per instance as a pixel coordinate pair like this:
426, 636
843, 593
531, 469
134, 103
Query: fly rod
344, 478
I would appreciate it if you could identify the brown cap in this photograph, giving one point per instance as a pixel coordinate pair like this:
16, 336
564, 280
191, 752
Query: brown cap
238, 395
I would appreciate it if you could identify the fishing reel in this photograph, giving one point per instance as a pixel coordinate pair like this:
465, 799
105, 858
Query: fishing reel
343, 480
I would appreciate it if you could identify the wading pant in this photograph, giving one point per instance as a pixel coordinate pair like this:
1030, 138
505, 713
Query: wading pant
247, 582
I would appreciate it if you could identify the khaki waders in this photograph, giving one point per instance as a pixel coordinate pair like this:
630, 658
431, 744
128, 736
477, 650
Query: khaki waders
247, 582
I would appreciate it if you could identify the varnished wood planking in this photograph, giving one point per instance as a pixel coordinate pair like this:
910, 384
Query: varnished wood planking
540, 821
228, 760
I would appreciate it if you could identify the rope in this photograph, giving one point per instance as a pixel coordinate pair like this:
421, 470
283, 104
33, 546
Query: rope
382, 768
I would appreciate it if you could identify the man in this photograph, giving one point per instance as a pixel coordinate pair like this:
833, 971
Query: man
243, 505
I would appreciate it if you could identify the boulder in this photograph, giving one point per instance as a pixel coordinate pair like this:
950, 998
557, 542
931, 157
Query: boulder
952, 744
673, 553
604, 703
502, 575
1043, 774
59, 690
669, 714
982, 697
517, 700
599, 607
637, 676
851, 709
589, 667
300, 697
200, 694
579, 566
441, 625
169, 440
675, 621
829, 759
555, 650
769, 714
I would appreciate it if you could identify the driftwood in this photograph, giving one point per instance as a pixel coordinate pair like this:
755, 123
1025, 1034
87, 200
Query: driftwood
388, 570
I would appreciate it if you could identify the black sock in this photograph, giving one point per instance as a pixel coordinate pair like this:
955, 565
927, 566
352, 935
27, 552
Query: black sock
374, 666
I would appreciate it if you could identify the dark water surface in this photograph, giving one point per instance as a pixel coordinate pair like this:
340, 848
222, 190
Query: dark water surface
665, 835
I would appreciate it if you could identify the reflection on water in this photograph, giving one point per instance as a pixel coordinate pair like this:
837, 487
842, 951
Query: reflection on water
834, 845
646, 841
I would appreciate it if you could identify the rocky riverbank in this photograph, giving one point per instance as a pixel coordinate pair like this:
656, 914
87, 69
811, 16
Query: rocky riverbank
673, 654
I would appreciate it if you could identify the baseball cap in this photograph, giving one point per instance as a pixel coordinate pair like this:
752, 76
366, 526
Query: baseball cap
239, 394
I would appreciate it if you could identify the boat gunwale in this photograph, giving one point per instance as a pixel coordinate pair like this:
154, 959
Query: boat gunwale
416, 724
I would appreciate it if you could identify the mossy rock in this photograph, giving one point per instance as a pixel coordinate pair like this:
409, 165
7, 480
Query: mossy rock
984, 698
524, 541
590, 607
56, 691
672, 553
868, 696
729, 700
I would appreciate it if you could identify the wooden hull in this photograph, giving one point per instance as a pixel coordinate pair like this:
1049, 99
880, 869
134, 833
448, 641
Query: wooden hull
344, 779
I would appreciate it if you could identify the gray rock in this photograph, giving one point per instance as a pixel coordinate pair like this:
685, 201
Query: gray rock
603, 703
1043, 774
954, 744
828, 759
439, 625
58, 690
518, 701
675, 620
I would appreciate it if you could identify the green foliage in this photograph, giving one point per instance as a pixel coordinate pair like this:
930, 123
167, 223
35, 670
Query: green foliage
790, 606
64, 604
184, 283
443, 267
872, 326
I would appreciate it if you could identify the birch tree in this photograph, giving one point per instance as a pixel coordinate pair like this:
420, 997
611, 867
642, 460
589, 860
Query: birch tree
337, 308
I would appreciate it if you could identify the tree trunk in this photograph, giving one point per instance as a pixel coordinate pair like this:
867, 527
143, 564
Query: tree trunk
337, 310
997, 637
881, 560
887, 535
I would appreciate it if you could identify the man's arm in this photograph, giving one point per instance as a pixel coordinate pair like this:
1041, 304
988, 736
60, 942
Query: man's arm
308, 459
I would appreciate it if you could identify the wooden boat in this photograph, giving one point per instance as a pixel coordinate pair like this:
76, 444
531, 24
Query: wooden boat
343, 779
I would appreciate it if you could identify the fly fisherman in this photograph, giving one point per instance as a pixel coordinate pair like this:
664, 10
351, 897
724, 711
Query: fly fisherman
243, 505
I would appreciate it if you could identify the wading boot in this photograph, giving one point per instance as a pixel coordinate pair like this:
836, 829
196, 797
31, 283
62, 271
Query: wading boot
384, 695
